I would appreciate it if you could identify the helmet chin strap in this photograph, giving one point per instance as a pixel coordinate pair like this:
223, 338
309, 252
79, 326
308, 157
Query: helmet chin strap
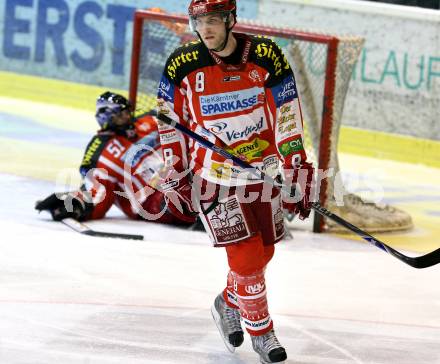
223, 46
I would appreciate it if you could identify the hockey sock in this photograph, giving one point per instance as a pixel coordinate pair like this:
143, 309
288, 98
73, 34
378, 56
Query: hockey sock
229, 294
250, 291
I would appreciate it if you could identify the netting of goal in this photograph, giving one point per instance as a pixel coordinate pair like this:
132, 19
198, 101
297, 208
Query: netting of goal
323, 66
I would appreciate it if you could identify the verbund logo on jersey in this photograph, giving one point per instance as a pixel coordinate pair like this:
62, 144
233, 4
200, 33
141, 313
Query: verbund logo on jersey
249, 130
230, 102
236, 131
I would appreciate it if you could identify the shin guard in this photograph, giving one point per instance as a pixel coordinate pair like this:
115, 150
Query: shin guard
250, 291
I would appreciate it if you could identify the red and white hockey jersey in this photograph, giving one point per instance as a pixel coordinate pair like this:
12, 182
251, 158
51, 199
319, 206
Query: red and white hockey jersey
251, 109
117, 170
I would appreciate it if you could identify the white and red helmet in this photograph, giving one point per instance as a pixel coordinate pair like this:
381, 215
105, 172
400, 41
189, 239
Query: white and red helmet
202, 7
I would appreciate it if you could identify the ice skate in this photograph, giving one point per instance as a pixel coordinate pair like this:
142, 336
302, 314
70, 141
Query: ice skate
269, 348
227, 320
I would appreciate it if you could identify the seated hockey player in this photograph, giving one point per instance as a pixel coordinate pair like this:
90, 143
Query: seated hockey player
120, 166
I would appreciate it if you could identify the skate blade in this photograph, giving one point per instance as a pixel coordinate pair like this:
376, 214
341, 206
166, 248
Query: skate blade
216, 318
262, 361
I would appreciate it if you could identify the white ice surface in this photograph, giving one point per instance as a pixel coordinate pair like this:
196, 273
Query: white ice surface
69, 298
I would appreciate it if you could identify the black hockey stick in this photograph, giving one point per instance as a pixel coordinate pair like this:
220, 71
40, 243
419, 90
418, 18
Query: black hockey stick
84, 229
423, 261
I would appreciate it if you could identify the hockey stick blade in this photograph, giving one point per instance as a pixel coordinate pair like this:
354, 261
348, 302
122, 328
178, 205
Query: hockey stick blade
84, 229
423, 261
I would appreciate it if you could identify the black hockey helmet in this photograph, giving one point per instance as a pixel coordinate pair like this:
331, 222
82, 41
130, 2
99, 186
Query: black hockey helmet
109, 104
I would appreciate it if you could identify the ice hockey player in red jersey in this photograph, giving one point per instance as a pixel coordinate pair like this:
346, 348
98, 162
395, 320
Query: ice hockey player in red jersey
119, 167
239, 92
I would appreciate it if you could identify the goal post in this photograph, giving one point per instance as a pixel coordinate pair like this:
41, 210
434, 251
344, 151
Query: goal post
323, 66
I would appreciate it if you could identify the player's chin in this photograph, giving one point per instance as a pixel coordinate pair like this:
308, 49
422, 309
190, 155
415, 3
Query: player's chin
211, 43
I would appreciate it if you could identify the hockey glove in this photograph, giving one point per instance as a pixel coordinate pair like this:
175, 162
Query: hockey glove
177, 190
66, 204
301, 181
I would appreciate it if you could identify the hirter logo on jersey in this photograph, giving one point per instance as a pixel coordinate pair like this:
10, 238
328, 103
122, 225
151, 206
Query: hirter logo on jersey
91, 150
175, 63
229, 102
272, 52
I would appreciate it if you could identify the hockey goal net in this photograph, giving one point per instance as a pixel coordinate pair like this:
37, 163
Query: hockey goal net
323, 66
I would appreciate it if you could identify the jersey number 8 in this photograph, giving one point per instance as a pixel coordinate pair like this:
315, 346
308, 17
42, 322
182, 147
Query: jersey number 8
200, 82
